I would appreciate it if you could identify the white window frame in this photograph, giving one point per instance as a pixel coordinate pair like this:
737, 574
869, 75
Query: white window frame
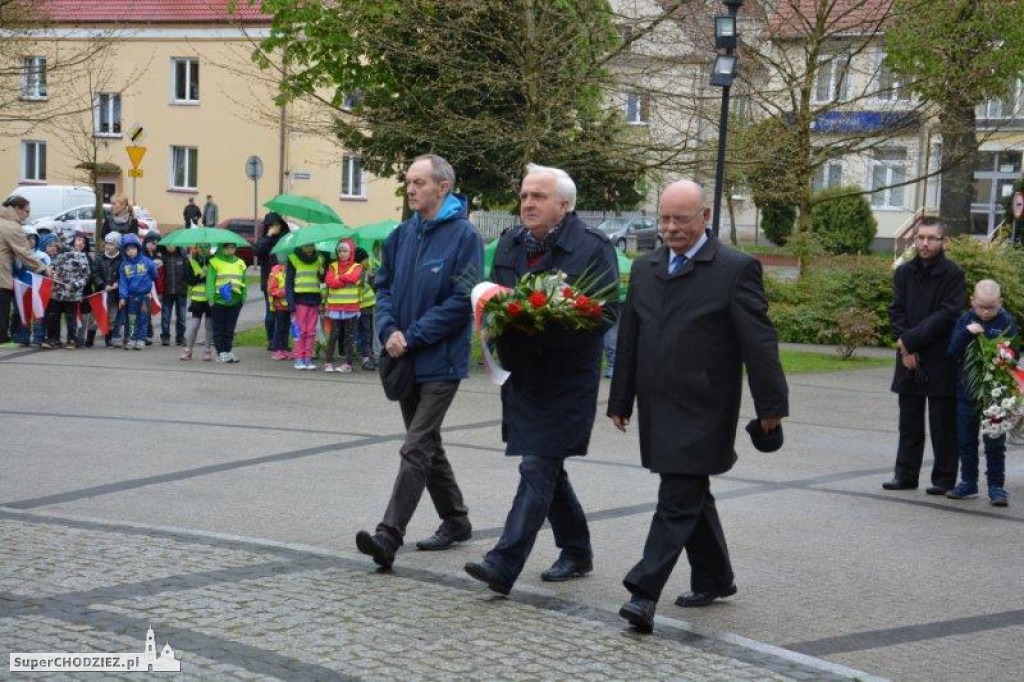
996, 109
190, 64
33, 78
835, 69
823, 178
34, 151
892, 161
637, 108
108, 103
189, 159
886, 86
353, 185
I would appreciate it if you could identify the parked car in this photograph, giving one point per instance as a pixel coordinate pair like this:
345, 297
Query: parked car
83, 219
644, 227
246, 228
49, 200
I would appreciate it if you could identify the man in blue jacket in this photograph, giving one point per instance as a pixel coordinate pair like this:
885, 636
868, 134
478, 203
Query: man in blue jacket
424, 310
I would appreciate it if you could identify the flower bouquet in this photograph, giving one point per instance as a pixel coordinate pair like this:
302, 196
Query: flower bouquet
994, 377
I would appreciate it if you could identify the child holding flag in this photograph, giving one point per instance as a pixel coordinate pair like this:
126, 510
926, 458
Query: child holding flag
225, 290
70, 274
135, 285
105, 279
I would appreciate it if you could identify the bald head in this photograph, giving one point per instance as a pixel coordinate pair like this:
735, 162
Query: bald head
682, 215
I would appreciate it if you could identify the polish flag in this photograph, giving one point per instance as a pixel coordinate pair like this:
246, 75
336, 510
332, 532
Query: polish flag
98, 305
154, 301
33, 297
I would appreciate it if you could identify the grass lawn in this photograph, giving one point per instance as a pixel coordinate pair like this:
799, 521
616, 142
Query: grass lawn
793, 361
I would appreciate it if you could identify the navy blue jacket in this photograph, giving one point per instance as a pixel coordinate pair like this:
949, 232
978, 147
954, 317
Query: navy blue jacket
427, 271
1002, 324
549, 401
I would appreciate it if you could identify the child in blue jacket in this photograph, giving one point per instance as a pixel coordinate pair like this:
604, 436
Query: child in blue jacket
986, 316
136, 276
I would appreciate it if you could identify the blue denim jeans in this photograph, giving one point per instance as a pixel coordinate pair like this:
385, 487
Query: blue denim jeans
544, 493
967, 427
136, 317
178, 306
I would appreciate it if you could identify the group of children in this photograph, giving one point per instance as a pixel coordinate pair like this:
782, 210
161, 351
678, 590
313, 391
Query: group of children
302, 285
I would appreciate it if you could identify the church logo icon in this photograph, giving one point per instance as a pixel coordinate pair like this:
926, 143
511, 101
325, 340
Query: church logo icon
164, 662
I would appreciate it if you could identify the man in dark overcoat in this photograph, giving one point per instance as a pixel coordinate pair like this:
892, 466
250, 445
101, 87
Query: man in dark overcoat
695, 315
928, 294
550, 399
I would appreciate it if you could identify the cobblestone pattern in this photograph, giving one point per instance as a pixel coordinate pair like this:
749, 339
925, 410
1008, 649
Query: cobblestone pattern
242, 612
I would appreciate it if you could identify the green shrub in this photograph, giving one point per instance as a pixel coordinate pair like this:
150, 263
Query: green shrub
842, 220
1002, 263
777, 220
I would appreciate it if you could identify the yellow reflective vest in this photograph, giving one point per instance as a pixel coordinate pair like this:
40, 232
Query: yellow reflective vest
307, 275
197, 292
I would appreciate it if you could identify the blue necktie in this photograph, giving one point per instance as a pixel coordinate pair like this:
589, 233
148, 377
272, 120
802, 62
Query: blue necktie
677, 264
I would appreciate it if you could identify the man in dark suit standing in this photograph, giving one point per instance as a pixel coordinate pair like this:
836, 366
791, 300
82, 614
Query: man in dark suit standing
694, 316
928, 294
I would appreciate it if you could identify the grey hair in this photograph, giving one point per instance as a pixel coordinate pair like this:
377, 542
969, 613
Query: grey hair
442, 170
565, 188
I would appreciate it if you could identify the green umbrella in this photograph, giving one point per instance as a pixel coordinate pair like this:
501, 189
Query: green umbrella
489, 257
303, 208
312, 234
625, 264
367, 234
202, 235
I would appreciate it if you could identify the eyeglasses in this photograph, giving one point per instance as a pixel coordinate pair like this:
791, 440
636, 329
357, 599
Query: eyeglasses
679, 220
928, 238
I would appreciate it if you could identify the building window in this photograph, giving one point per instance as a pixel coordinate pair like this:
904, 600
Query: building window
186, 80
887, 86
1006, 107
994, 178
352, 176
33, 78
828, 174
832, 79
888, 168
33, 160
108, 114
637, 108
184, 168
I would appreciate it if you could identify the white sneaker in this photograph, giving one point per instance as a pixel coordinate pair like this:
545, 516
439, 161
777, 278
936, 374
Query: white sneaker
328, 367
299, 364
233, 358
310, 365
222, 357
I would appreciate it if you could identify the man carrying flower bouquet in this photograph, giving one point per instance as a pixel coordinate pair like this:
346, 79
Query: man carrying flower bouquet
550, 340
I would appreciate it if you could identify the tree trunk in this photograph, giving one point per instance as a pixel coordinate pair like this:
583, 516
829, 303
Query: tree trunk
959, 153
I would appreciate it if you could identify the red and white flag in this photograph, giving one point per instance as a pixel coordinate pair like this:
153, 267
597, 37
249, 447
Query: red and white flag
33, 297
154, 301
98, 306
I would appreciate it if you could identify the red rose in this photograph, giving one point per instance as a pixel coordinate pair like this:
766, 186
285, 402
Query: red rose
514, 309
581, 303
567, 292
594, 311
538, 299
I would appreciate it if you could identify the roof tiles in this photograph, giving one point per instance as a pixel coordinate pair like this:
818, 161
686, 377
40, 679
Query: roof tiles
153, 11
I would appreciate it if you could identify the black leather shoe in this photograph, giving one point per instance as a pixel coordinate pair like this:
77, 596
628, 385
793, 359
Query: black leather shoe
639, 611
487, 574
377, 546
937, 489
443, 540
567, 569
692, 599
896, 484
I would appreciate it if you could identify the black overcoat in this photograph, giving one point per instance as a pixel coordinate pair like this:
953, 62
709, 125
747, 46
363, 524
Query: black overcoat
549, 402
683, 342
927, 300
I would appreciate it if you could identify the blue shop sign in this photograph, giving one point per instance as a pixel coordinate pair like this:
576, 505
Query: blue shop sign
861, 121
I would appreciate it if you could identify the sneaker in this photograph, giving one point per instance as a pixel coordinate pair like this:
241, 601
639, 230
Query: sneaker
128, 345
70, 345
165, 342
310, 365
345, 368
179, 342
328, 367
186, 355
233, 358
149, 342
138, 345
963, 491
369, 365
300, 364
222, 357
997, 496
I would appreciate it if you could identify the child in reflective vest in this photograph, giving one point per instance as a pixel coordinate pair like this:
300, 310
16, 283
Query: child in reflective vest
342, 305
281, 313
303, 280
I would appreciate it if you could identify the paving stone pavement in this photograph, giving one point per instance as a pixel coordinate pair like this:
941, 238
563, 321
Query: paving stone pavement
241, 610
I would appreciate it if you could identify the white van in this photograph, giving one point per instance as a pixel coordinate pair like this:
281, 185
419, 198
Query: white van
49, 200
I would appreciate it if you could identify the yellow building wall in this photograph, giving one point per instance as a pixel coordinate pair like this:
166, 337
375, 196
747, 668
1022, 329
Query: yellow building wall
235, 118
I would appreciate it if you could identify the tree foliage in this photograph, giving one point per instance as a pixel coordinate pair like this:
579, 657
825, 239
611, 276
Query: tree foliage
777, 219
956, 55
842, 221
490, 85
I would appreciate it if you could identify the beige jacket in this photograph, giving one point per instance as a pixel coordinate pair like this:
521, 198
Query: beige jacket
13, 245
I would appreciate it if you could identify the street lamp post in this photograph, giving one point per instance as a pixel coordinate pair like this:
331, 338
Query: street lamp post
722, 74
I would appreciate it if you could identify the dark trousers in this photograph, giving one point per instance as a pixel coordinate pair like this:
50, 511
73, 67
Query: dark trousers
544, 493
54, 311
177, 305
6, 299
136, 317
686, 518
268, 320
224, 318
941, 426
967, 428
424, 464
282, 329
366, 332
343, 339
